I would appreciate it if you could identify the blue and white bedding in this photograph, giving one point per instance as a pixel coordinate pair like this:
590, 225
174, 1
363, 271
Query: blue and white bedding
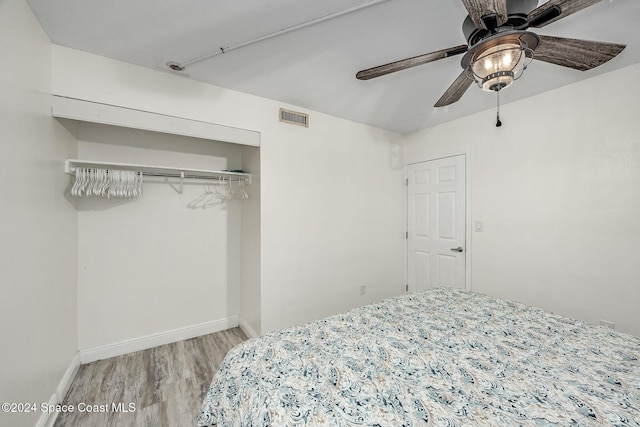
443, 357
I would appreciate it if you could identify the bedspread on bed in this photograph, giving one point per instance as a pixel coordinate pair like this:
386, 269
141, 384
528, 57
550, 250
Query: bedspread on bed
442, 357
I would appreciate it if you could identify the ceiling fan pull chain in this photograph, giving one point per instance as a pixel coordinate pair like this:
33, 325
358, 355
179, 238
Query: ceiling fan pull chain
498, 122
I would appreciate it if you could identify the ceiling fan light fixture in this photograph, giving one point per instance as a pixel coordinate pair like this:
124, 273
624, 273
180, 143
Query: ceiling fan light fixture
498, 61
498, 66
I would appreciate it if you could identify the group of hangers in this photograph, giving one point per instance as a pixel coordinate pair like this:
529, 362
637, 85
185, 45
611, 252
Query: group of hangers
216, 193
109, 183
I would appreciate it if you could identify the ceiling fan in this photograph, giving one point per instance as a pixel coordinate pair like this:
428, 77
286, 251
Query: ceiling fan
499, 47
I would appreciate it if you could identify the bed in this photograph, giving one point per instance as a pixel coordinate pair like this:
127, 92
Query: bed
443, 357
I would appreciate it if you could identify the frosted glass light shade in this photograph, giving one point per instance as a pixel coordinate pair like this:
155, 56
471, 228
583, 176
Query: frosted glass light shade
498, 66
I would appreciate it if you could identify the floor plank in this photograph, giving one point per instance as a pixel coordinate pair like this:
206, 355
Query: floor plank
167, 384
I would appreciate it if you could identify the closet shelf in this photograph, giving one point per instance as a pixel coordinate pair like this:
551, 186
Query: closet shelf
95, 112
70, 166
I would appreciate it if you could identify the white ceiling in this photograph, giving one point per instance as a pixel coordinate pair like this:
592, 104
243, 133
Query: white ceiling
314, 67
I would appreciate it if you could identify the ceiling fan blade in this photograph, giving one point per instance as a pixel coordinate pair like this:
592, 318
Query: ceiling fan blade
403, 64
554, 10
580, 55
455, 91
494, 11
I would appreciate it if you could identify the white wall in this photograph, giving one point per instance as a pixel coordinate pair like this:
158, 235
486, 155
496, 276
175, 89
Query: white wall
558, 187
162, 262
331, 207
333, 220
37, 224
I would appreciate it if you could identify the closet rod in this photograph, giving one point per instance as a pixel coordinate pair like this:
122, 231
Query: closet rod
70, 166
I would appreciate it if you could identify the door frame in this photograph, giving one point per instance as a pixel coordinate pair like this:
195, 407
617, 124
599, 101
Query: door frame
467, 214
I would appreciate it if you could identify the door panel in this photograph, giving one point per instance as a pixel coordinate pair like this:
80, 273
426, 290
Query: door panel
436, 204
446, 215
422, 221
447, 269
422, 266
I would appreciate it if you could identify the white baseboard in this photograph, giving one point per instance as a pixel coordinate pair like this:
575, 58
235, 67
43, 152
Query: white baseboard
46, 419
154, 340
246, 328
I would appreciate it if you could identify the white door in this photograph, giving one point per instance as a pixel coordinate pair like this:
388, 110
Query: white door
436, 206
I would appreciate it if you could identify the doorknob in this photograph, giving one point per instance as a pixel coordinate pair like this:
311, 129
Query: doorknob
458, 249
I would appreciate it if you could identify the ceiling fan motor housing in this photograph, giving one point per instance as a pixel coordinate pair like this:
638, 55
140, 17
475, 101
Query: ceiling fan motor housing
517, 12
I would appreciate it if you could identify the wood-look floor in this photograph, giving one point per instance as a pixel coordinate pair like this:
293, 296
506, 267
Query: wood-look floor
167, 384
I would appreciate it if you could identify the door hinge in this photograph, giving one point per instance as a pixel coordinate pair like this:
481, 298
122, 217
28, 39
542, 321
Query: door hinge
406, 235
406, 287
406, 182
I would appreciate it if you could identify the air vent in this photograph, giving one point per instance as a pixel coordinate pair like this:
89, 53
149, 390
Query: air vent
294, 117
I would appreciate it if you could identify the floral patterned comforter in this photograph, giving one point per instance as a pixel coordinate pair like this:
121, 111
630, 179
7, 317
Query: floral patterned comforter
443, 357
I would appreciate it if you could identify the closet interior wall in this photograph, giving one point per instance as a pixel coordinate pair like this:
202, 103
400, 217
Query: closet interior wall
167, 261
250, 293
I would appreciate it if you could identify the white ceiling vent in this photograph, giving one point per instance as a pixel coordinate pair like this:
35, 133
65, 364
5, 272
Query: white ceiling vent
294, 117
